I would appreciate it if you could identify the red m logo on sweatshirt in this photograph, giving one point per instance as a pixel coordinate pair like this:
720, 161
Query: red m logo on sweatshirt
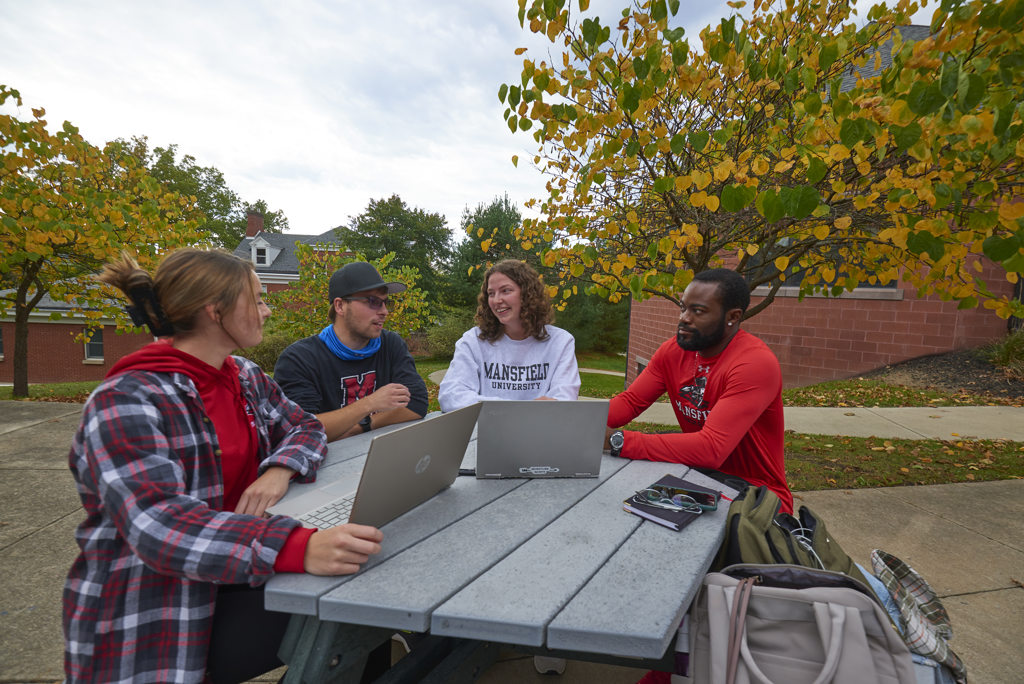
358, 386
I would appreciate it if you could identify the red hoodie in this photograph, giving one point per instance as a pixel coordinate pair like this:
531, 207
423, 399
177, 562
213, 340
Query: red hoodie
233, 423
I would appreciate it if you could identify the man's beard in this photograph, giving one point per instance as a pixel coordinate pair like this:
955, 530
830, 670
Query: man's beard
699, 341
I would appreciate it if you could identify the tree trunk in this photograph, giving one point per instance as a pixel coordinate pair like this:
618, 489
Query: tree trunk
23, 306
20, 390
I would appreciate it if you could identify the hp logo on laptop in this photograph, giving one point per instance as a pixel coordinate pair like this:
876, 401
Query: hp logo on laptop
423, 464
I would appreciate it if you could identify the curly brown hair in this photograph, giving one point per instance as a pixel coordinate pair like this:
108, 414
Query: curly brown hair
535, 312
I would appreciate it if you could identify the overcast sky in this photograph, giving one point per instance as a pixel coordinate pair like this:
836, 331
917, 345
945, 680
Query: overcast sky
315, 107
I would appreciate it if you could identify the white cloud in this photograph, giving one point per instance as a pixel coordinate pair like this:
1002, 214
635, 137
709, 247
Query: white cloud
314, 106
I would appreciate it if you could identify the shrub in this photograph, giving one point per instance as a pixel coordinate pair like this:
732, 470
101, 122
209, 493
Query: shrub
596, 324
266, 352
441, 338
1008, 354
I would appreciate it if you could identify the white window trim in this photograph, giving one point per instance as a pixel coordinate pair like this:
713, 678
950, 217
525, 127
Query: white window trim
93, 360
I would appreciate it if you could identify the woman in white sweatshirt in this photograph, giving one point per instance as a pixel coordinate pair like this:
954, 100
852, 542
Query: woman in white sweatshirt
513, 352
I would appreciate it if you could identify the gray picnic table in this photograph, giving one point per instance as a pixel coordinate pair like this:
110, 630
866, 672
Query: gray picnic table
547, 566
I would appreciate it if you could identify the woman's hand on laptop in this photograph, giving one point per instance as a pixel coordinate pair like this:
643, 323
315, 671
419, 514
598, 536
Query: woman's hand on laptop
341, 550
265, 491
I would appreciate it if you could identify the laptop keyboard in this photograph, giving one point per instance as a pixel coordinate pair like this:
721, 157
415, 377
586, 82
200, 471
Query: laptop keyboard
329, 515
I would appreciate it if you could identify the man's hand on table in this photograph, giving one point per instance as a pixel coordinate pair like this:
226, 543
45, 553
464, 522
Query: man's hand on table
390, 396
341, 550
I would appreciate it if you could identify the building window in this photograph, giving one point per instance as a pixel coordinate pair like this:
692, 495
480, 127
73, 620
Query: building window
1, 344
834, 288
261, 256
94, 346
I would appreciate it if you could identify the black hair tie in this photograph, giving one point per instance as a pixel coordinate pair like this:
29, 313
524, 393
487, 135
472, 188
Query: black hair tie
141, 314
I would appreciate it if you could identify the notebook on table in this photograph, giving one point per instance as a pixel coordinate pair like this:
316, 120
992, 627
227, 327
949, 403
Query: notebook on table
540, 438
674, 514
403, 469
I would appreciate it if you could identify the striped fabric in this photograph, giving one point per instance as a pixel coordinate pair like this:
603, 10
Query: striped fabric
139, 598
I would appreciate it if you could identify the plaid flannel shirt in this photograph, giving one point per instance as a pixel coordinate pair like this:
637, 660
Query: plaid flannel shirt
139, 599
924, 622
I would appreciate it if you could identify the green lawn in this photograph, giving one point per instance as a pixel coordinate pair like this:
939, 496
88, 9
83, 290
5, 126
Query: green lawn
610, 362
600, 385
871, 393
59, 391
829, 462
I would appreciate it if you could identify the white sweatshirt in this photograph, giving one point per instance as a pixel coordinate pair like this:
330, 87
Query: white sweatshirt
510, 369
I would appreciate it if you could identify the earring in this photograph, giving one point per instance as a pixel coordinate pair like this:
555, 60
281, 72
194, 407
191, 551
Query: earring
730, 324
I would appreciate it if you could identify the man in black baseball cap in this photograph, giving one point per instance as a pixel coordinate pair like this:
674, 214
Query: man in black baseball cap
354, 375
358, 276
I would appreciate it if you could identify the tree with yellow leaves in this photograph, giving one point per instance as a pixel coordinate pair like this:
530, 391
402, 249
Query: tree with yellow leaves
791, 145
66, 207
305, 305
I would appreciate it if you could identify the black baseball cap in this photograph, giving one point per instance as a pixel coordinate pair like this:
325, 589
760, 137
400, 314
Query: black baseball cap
358, 276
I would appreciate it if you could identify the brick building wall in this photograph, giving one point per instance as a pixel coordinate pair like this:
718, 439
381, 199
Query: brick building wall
820, 339
55, 356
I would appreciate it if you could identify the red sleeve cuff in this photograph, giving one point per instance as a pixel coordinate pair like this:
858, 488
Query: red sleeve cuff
630, 438
292, 557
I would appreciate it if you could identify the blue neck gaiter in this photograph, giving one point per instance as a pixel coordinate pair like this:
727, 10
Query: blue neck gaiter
342, 352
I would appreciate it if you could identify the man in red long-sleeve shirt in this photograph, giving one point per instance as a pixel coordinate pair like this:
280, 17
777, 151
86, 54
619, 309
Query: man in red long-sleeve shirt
725, 386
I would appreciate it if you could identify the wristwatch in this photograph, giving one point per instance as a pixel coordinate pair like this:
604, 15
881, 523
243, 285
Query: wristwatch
616, 440
366, 424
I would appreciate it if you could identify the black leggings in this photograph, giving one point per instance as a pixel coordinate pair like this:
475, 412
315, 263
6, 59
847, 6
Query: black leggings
245, 635
246, 638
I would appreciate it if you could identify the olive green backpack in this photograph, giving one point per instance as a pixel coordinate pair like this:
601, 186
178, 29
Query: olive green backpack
756, 532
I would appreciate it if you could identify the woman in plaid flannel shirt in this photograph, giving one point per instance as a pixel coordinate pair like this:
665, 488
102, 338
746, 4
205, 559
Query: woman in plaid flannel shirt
178, 454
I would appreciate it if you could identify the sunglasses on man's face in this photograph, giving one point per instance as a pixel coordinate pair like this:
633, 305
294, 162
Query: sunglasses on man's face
373, 302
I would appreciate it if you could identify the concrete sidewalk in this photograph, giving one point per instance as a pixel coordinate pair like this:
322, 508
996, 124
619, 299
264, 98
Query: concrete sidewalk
940, 422
966, 539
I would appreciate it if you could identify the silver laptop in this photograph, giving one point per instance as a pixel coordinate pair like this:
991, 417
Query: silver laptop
540, 438
403, 469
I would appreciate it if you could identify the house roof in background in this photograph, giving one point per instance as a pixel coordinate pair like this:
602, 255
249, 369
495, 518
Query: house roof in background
912, 32
286, 261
